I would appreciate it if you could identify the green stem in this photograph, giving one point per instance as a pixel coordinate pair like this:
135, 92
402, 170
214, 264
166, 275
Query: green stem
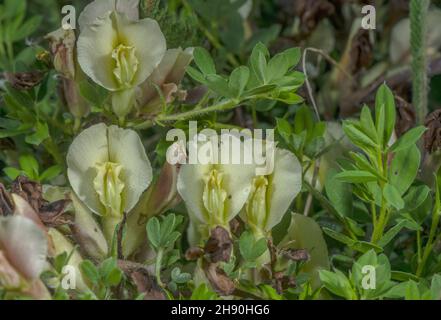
222, 106
429, 245
419, 246
374, 214
380, 224
418, 35
77, 124
158, 266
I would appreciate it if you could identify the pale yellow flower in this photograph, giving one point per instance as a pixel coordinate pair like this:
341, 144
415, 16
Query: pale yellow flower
271, 195
214, 193
117, 51
108, 170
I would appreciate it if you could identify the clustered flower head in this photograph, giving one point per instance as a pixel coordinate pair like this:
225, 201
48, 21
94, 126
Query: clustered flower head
216, 193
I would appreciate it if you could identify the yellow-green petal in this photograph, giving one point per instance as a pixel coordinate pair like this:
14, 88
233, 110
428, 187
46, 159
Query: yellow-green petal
126, 149
284, 184
94, 49
148, 41
89, 148
100, 8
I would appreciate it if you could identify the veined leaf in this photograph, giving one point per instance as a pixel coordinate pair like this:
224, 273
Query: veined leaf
393, 197
204, 61
356, 176
408, 139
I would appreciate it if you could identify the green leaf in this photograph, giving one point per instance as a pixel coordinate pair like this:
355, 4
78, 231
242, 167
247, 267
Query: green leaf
260, 90
170, 239
435, 287
26, 29
391, 233
196, 75
90, 271
110, 273
162, 234
113, 278
93, 93
269, 293
393, 197
360, 246
60, 261
154, 232
303, 121
337, 283
258, 62
382, 277
180, 277
385, 113
408, 139
50, 173
357, 136
41, 133
412, 291
284, 128
202, 292
289, 98
402, 276
416, 197
168, 225
239, 80
404, 168
12, 173
204, 61
339, 194
251, 249
367, 123
29, 165
355, 176
279, 65
219, 85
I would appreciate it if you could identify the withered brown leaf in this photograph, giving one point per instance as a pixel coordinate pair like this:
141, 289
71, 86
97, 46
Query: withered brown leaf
219, 245
432, 137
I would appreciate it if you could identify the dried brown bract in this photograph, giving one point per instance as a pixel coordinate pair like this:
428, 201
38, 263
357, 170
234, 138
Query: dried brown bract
310, 12
194, 253
145, 283
297, 254
24, 80
406, 117
432, 137
218, 279
51, 214
29, 190
361, 51
219, 245
6, 203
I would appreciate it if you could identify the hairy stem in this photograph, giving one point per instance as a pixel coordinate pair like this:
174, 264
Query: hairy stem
158, 265
418, 27
222, 106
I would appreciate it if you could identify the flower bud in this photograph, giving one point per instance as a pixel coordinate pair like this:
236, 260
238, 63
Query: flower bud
62, 45
87, 232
